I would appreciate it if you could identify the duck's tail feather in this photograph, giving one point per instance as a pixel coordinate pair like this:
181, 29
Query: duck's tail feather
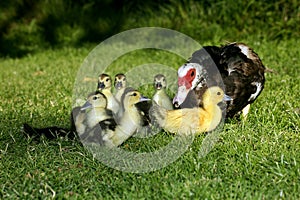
52, 132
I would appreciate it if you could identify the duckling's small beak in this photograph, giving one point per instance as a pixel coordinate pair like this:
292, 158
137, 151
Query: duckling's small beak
119, 85
101, 85
227, 98
158, 85
144, 99
87, 105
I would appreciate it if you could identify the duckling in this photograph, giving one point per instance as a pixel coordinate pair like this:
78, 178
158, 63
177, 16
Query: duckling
192, 120
92, 112
120, 85
104, 85
241, 71
160, 97
83, 119
131, 120
96, 124
95, 120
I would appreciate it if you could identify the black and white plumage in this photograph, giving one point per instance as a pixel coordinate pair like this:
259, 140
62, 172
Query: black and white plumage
241, 71
160, 97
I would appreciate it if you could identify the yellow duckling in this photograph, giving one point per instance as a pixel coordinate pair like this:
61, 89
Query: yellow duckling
131, 119
192, 120
104, 86
160, 97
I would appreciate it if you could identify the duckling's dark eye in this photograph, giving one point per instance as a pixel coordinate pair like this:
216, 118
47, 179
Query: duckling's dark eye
219, 93
95, 98
107, 79
134, 94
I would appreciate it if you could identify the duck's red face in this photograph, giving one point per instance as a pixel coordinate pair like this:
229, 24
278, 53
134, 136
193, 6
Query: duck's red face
187, 75
187, 79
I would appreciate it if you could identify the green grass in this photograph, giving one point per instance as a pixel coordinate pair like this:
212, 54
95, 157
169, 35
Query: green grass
256, 159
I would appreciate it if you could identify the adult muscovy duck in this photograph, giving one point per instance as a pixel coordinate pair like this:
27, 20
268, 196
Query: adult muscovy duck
239, 67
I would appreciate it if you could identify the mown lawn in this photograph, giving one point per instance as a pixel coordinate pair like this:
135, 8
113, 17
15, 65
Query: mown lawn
255, 159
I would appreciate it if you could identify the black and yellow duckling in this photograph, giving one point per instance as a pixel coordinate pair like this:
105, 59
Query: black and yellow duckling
131, 120
93, 113
105, 86
160, 97
192, 120
120, 85
241, 71
83, 120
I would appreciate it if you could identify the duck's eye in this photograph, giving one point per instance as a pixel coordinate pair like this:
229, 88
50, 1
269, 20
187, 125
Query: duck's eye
107, 79
95, 98
219, 93
134, 94
192, 74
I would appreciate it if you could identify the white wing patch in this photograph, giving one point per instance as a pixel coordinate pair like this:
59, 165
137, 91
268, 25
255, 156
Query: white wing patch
258, 89
245, 50
230, 69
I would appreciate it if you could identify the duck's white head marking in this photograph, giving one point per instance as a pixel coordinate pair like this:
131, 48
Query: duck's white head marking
258, 89
189, 76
